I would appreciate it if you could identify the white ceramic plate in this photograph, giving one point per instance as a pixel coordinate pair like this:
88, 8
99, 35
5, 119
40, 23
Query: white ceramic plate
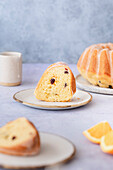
85, 85
54, 150
28, 98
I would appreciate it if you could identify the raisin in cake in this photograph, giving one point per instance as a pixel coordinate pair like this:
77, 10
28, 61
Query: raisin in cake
57, 84
19, 137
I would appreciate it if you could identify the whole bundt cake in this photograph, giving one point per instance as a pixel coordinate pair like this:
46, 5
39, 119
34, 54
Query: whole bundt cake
96, 64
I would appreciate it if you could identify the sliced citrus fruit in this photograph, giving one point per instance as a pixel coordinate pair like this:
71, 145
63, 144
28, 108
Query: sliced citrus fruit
95, 133
107, 143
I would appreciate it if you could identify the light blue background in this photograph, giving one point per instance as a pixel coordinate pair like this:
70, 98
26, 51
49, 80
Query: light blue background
54, 30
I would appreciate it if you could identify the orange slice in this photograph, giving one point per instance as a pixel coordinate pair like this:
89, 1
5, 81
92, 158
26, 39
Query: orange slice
107, 143
95, 133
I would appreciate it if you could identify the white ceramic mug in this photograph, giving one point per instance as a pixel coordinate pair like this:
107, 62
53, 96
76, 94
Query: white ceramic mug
10, 68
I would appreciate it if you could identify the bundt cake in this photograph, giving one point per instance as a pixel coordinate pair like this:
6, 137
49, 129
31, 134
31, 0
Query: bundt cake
57, 84
96, 64
19, 137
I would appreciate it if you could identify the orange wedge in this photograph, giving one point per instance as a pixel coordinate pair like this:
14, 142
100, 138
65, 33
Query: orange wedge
95, 133
107, 143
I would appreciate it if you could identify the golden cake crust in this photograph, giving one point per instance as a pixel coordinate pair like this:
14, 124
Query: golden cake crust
27, 148
96, 64
58, 64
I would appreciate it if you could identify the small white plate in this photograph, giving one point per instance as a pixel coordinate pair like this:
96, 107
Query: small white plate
54, 150
85, 85
28, 98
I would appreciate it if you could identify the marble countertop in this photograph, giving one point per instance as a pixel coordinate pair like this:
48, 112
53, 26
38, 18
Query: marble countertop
67, 123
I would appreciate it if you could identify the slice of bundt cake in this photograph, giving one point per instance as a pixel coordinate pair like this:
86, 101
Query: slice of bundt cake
19, 137
96, 64
57, 84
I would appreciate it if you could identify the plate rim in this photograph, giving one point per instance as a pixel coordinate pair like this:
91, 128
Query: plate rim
48, 106
50, 165
94, 90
